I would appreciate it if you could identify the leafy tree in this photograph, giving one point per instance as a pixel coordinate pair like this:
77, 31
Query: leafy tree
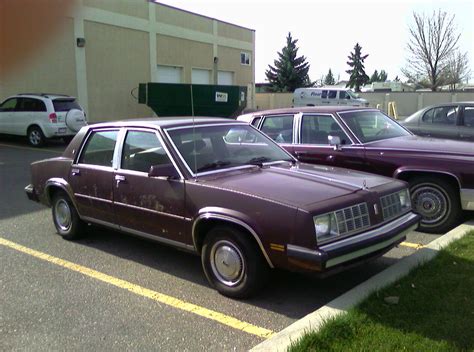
329, 79
432, 41
289, 71
358, 77
383, 76
374, 77
457, 70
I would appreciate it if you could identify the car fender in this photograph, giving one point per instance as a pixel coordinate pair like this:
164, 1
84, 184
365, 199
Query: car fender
63, 185
404, 169
231, 216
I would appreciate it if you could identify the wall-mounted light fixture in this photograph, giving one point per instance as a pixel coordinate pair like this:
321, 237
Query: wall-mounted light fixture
216, 59
81, 42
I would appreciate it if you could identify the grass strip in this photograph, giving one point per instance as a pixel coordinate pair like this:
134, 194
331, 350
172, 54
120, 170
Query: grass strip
435, 311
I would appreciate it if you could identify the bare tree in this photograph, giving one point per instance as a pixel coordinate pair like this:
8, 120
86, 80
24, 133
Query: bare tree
432, 41
457, 70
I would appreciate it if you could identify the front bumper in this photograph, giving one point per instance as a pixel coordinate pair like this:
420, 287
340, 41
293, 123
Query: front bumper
356, 248
30, 193
467, 198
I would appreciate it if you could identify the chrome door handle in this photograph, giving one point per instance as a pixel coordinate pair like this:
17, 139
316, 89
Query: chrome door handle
118, 179
75, 172
301, 152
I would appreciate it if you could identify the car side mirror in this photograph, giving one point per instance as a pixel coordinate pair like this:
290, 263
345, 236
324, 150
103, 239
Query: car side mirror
165, 170
335, 141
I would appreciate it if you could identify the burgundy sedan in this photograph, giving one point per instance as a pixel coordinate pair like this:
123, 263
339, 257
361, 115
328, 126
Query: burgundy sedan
224, 190
440, 172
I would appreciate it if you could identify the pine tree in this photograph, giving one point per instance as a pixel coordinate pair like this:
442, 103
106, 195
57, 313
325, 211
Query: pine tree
329, 79
358, 77
375, 77
290, 71
383, 76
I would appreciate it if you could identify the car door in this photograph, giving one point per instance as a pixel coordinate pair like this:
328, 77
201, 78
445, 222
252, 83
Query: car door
7, 112
313, 144
144, 205
440, 122
466, 127
30, 111
92, 176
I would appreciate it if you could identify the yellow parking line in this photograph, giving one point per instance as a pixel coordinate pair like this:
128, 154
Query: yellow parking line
31, 148
411, 245
156, 296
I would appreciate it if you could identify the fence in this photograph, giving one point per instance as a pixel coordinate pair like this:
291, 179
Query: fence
406, 102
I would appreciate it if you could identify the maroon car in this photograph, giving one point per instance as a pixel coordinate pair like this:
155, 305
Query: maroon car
224, 190
440, 172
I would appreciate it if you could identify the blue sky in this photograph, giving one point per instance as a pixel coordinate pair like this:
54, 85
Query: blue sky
328, 30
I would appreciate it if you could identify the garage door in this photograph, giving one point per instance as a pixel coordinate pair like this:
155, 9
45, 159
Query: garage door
169, 74
225, 78
200, 76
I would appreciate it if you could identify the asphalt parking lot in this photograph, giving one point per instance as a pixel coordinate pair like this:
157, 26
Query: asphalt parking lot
111, 291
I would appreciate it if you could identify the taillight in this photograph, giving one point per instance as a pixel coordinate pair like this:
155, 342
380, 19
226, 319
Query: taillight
53, 118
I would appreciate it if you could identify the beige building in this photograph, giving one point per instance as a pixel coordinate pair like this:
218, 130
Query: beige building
108, 47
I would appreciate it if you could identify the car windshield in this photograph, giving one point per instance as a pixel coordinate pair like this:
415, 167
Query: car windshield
210, 148
371, 126
352, 94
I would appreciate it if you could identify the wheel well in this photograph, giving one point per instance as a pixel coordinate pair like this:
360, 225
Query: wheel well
205, 225
52, 190
32, 126
410, 175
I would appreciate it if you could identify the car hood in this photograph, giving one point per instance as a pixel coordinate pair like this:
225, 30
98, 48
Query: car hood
299, 185
426, 145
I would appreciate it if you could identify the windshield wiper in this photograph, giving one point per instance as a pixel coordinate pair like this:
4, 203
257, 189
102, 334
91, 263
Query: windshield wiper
213, 165
259, 160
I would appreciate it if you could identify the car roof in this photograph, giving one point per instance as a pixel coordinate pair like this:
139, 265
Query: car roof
42, 95
310, 109
455, 103
167, 122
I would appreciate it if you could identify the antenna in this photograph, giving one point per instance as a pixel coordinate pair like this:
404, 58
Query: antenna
194, 134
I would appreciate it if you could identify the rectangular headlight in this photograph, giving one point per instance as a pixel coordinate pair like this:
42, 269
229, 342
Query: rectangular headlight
325, 226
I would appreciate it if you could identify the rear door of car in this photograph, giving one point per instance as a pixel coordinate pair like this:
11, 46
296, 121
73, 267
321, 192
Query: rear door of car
440, 122
92, 176
466, 127
313, 144
31, 111
144, 205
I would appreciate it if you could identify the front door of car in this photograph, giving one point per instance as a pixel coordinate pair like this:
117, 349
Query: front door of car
440, 122
314, 148
145, 205
466, 128
7, 113
91, 177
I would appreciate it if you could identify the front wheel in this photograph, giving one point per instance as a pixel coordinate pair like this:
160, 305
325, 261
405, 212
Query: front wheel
233, 263
437, 201
66, 220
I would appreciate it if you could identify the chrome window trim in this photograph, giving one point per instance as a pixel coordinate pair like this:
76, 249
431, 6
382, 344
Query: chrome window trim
195, 175
152, 211
322, 114
76, 163
159, 239
209, 215
160, 139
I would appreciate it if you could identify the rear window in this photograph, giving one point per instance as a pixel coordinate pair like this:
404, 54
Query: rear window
65, 104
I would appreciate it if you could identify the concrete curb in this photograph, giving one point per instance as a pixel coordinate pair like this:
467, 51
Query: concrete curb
313, 321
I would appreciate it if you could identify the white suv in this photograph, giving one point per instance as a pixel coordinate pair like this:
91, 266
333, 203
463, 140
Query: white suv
41, 116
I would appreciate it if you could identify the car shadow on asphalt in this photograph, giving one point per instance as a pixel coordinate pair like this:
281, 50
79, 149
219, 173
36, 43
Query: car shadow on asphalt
291, 294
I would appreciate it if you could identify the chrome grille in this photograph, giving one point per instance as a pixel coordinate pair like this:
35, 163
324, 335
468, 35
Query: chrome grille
352, 219
391, 206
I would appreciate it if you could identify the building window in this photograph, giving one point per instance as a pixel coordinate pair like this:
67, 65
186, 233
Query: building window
245, 59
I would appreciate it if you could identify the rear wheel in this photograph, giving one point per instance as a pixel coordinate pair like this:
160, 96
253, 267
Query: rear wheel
437, 201
36, 137
233, 263
66, 220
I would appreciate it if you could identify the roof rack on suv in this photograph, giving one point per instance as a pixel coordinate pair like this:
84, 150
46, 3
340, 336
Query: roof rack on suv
45, 94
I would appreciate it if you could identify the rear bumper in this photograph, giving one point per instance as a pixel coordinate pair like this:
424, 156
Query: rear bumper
31, 194
357, 248
467, 198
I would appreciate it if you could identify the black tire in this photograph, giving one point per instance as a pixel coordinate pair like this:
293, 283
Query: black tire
35, 137
437, 201
65, 218
245, 272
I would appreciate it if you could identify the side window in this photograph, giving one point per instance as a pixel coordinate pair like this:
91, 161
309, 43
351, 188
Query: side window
428, 116
9, 105
30, 104
279, 128
315, 129
343, 95
324, 94
445, 115
142, 150
256, 121
99, 149
469, 116
332, 94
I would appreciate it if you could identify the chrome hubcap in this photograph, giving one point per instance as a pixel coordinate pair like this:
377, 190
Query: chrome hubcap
35, 137
62, 215
431, 203
227, 263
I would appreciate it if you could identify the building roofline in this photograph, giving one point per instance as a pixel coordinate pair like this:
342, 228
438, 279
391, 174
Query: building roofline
198, 14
